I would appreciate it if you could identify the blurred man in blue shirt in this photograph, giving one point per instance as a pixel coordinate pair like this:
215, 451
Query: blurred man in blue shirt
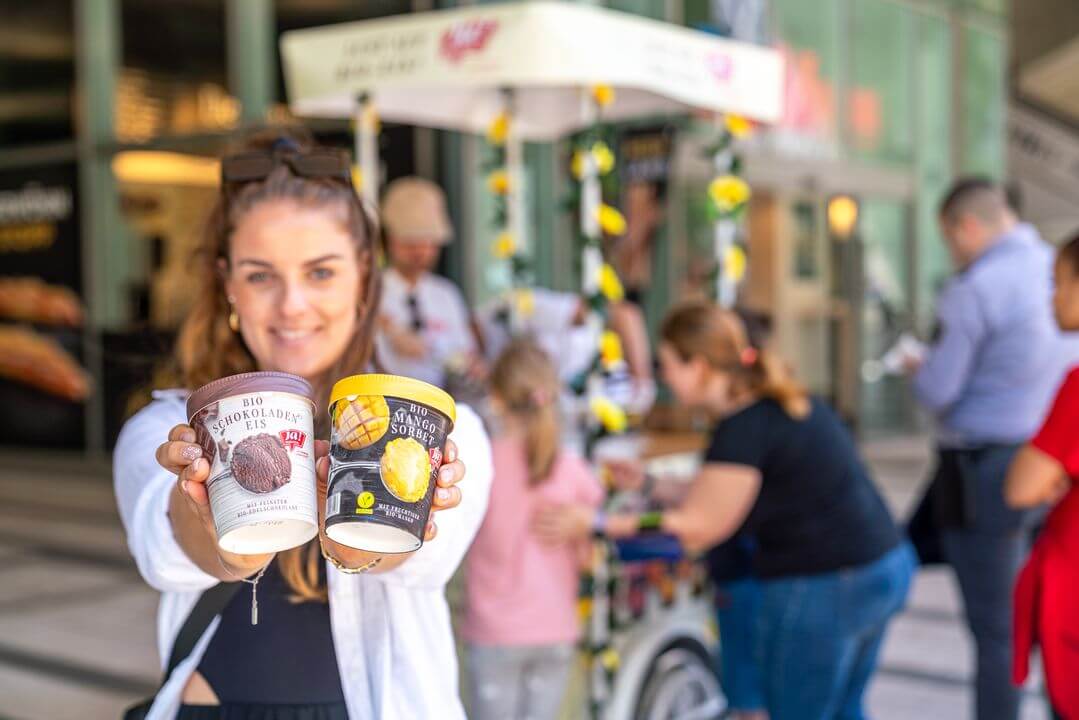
988, 378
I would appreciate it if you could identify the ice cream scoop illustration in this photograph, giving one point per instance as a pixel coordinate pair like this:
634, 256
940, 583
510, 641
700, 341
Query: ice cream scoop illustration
260, 463
406, 469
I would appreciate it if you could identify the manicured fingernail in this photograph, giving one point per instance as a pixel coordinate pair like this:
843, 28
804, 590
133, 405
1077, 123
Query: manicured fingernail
443, 494
188, 436
198, 465
191, 453
446, 474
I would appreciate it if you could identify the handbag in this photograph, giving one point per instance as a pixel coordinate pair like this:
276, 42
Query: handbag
949, 502
209, 605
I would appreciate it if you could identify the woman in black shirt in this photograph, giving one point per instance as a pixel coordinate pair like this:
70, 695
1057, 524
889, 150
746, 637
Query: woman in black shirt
781, 467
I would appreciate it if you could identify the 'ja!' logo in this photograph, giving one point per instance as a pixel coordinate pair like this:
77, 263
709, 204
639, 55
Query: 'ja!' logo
292, 439
466, 37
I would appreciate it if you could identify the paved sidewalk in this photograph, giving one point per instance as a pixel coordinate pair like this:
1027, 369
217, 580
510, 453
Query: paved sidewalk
77, 623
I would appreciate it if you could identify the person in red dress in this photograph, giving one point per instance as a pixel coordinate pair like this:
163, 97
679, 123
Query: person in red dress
1044, 473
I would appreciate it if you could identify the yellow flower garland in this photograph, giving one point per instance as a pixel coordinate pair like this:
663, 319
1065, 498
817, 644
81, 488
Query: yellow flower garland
576, 166
738, 126
728, 192
499, 129
505, 246
734, 265
498, 182
601, 156
526, 302
610, 220
603, 95
609, 284
609, 414
610, 349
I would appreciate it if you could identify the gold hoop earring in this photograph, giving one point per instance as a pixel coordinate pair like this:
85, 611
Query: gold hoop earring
234, 319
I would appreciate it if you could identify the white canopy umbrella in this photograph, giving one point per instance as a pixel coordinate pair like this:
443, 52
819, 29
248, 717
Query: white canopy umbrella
447, 69
458, 69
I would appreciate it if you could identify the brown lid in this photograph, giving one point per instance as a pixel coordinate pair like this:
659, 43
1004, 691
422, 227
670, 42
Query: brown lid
251, 382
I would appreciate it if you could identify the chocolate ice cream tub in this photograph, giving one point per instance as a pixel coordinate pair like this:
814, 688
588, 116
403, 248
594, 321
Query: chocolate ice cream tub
388, 434
257, 431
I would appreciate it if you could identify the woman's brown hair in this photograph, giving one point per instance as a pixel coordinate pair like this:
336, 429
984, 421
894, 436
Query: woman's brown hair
207, 348
704, 330
525, 381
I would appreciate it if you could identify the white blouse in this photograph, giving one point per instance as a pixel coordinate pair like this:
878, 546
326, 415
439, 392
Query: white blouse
392, 633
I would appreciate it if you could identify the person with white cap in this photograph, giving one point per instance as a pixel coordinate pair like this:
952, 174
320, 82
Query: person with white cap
425, 325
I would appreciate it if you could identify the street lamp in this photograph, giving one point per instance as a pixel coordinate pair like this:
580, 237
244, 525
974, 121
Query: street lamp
842, 216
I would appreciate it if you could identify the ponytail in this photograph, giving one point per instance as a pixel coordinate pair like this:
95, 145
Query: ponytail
541, 442
524, 380
769, 377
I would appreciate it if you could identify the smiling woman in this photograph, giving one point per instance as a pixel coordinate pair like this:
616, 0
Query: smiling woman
288, 282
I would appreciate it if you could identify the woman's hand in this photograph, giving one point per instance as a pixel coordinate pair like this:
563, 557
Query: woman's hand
447, 495
405, 343
1034, 479
568, 523
189, 509
563, 523
625, 474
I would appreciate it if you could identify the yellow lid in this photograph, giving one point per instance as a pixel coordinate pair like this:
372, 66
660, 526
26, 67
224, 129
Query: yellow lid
395, 386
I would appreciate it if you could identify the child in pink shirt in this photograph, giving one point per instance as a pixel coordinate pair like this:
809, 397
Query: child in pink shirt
521, 624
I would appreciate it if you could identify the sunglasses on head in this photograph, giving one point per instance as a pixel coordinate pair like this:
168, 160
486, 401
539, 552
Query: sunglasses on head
257, 165
321, 163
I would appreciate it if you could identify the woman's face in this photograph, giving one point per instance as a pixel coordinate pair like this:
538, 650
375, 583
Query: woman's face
296, 285
693, 382
1066, 296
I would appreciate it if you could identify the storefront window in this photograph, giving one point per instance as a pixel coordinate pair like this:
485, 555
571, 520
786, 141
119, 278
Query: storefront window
996, 7
42, 357
173, 78
165, 199
933, 159
878, 99
884, 399
983, 102
37, 72
808, 36
655, 9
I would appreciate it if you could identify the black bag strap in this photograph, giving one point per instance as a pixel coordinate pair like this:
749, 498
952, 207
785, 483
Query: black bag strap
209, 605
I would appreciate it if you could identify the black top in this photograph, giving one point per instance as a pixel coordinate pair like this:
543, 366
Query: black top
731, 560
818, 510
288, 658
